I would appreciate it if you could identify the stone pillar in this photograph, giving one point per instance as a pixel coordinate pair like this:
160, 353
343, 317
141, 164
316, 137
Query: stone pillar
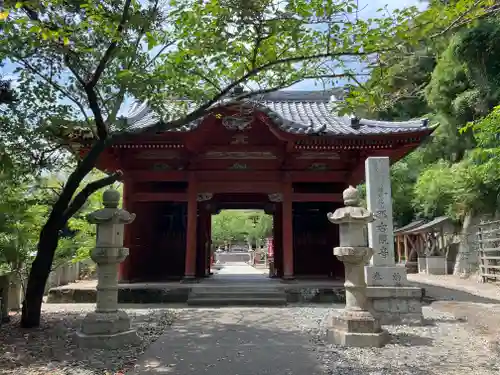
108, 327
393, 301
355, 326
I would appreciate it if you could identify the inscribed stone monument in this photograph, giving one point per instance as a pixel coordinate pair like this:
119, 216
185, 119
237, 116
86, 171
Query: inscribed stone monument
393, 300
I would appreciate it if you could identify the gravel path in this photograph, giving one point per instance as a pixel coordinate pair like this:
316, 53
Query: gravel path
289, 341
248, 341
50, 349
444, 346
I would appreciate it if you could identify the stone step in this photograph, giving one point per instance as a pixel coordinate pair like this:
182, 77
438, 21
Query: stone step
236, 301
237, 290
237, 294
243, 289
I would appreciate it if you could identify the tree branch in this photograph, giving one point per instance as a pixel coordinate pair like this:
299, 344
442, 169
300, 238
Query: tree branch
87, 191
28, 66
158, 54
284, 86
201, 110
108, 54
459, 21
81, 171
122, 90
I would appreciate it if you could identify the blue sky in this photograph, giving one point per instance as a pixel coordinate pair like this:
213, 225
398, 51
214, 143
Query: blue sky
368, 8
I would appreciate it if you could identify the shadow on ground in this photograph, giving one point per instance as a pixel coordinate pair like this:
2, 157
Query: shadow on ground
51, 346
438, 293
216, 341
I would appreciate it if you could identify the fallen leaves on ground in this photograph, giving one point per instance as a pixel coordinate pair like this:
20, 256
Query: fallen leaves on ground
51, 348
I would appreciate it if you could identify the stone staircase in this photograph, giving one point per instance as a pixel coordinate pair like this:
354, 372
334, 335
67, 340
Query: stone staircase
235, 295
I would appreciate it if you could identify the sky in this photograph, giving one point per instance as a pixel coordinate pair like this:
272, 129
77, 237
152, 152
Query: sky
368, 8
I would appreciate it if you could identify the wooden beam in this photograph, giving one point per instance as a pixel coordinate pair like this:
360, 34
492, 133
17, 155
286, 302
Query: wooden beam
357, 175
318, 176
160, 197
141, 176
229, 177
182, 197
237, 186
313, 197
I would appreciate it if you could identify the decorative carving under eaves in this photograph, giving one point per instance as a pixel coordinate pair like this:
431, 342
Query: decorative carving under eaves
318, 167
238, 166
319, 155
239, 139
266, 155
161, 167
202, 197
275, 197
237, 123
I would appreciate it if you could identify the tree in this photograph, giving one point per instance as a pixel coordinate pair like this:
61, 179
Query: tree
230, 226
6, 92
79, 60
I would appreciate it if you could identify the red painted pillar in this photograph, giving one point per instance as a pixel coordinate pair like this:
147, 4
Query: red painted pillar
208, 246
192, 213
278, 239
124, 267
287, 222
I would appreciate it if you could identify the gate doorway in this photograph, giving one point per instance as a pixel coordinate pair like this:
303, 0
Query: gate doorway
239, 238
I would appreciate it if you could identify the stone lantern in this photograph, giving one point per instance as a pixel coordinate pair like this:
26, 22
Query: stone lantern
108, 327
355, 326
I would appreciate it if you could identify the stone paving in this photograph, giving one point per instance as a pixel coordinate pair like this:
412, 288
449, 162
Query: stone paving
290, 341
235, 341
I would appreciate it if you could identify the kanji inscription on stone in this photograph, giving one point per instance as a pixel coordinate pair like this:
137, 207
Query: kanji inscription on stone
383, 251
397, 277
378, 194
382, 239
380, 214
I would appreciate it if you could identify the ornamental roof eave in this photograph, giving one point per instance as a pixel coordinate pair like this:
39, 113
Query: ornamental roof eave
300, 113
294, 117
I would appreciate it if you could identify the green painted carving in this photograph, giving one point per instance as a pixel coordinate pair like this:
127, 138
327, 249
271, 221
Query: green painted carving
161, 167
238, 166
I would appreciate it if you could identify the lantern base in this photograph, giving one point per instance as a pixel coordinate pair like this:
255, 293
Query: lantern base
114, 341
357, 329
106, 330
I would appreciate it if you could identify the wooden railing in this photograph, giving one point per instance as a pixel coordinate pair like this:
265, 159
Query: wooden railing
488, 238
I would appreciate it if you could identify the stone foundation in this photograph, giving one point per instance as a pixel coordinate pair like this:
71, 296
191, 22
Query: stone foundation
436, 265
396, 305
179, 294
106, 331
357, 329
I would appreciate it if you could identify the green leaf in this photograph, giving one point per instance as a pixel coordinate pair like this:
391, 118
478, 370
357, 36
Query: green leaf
152, 42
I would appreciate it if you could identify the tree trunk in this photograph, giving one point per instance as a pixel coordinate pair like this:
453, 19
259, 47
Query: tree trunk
40, 271
49, 237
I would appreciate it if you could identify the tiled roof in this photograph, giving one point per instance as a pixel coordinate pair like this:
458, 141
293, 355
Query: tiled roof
298, 112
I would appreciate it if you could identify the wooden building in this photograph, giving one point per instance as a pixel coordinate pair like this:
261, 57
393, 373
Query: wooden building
285, 152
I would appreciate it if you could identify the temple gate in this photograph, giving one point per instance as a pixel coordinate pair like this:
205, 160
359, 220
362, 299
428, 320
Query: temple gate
285, 152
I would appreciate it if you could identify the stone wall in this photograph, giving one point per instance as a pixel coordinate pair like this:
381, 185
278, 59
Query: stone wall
62, 275
467, 258
396, 305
